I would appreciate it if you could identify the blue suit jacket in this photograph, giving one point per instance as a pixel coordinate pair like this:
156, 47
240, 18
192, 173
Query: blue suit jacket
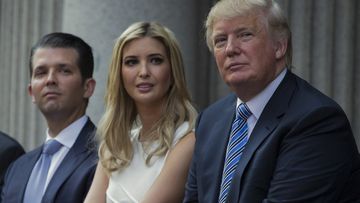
70, 182
301, 150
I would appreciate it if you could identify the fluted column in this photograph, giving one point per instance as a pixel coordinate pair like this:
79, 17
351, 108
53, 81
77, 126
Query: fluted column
22, 23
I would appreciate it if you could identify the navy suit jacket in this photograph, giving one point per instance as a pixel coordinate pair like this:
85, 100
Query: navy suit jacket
70, 182
301, 150
10, 150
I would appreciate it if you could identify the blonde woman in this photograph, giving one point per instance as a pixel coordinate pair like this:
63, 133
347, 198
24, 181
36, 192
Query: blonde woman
146, 132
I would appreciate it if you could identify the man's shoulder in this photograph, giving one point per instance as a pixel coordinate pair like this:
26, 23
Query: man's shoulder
22, 162
312, 97
89, 128
229, 99
7, 141
87, 137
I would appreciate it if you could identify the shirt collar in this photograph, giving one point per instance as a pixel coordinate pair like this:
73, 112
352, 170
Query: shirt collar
257, 104
68, 135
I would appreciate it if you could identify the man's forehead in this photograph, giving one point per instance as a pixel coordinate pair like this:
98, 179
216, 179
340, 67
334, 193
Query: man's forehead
56, 49
55, 52
234, 24
48, 56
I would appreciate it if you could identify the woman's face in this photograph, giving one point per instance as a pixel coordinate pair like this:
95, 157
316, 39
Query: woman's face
146, 71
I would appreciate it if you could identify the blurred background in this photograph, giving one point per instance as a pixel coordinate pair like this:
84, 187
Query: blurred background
326, 43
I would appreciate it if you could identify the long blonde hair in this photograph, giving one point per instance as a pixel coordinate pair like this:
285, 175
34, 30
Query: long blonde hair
116, 150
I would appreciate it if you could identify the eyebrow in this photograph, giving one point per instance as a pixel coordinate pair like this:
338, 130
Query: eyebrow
151, 55
56, 65
156, 54
236, 30
254, 29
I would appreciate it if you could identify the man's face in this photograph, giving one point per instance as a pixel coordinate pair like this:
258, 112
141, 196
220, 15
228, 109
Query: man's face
56, 85
246, 54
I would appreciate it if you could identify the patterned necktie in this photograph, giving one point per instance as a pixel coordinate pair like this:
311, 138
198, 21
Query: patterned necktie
237, 141
36, 186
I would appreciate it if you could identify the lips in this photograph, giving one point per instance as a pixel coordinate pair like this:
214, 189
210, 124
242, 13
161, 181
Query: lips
144, 87
236, 65
51, 94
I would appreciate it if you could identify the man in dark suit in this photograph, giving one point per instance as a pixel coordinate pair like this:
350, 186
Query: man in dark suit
10, 150
294, 144
61, 68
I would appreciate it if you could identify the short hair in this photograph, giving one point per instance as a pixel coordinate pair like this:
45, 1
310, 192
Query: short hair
120, 110
274, 17
85, 59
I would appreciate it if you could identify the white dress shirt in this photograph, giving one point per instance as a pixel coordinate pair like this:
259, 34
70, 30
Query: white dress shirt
67, 138
257, 104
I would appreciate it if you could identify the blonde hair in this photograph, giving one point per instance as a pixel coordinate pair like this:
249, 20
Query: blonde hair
275, 20
116, 150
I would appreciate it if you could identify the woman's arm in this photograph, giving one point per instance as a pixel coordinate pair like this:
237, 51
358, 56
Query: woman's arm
169, 186
97, 192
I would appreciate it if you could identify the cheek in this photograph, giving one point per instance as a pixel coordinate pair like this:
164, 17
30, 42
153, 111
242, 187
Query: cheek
166, 80
219, 57
126, 78
126, 85
220, 60
35, 87
163, 75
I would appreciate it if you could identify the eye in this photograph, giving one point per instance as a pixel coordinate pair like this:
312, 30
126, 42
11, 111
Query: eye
39, 72
245, 35
65, 70
156, 60
219, 42
130, 62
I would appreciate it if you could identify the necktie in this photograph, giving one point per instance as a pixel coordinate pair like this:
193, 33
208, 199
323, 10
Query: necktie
238, 139
36, 186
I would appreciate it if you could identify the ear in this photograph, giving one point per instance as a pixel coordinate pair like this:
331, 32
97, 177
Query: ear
30, 93
89, 87
280, 48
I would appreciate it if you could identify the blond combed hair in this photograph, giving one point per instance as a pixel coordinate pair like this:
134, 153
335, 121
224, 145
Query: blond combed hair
116, 149
275, 19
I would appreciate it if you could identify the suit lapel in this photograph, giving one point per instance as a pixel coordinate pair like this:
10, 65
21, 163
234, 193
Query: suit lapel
26, 168
72, 160
268, 121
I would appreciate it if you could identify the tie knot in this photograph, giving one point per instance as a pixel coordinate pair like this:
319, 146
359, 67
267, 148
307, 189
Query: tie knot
51, 147
243, 111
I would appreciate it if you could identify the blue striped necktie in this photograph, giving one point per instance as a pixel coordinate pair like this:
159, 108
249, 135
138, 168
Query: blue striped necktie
36, 186
237, 141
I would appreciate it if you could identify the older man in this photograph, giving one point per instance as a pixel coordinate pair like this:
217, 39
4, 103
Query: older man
275, 138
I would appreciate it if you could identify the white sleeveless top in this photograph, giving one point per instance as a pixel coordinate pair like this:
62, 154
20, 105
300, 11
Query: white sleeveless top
129, 185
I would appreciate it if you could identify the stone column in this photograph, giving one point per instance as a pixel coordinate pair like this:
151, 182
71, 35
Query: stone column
21, 24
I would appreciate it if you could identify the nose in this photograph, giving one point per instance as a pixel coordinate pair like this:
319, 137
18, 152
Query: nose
144, 71
232, 47
51, 78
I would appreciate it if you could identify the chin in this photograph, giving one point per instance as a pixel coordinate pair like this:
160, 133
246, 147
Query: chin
236, 81
50, 108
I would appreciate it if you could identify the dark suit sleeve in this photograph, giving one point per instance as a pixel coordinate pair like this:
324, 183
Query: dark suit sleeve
8, 154
315, 159
191, 190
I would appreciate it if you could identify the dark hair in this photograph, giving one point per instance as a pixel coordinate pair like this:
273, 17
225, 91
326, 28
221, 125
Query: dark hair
85, 59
